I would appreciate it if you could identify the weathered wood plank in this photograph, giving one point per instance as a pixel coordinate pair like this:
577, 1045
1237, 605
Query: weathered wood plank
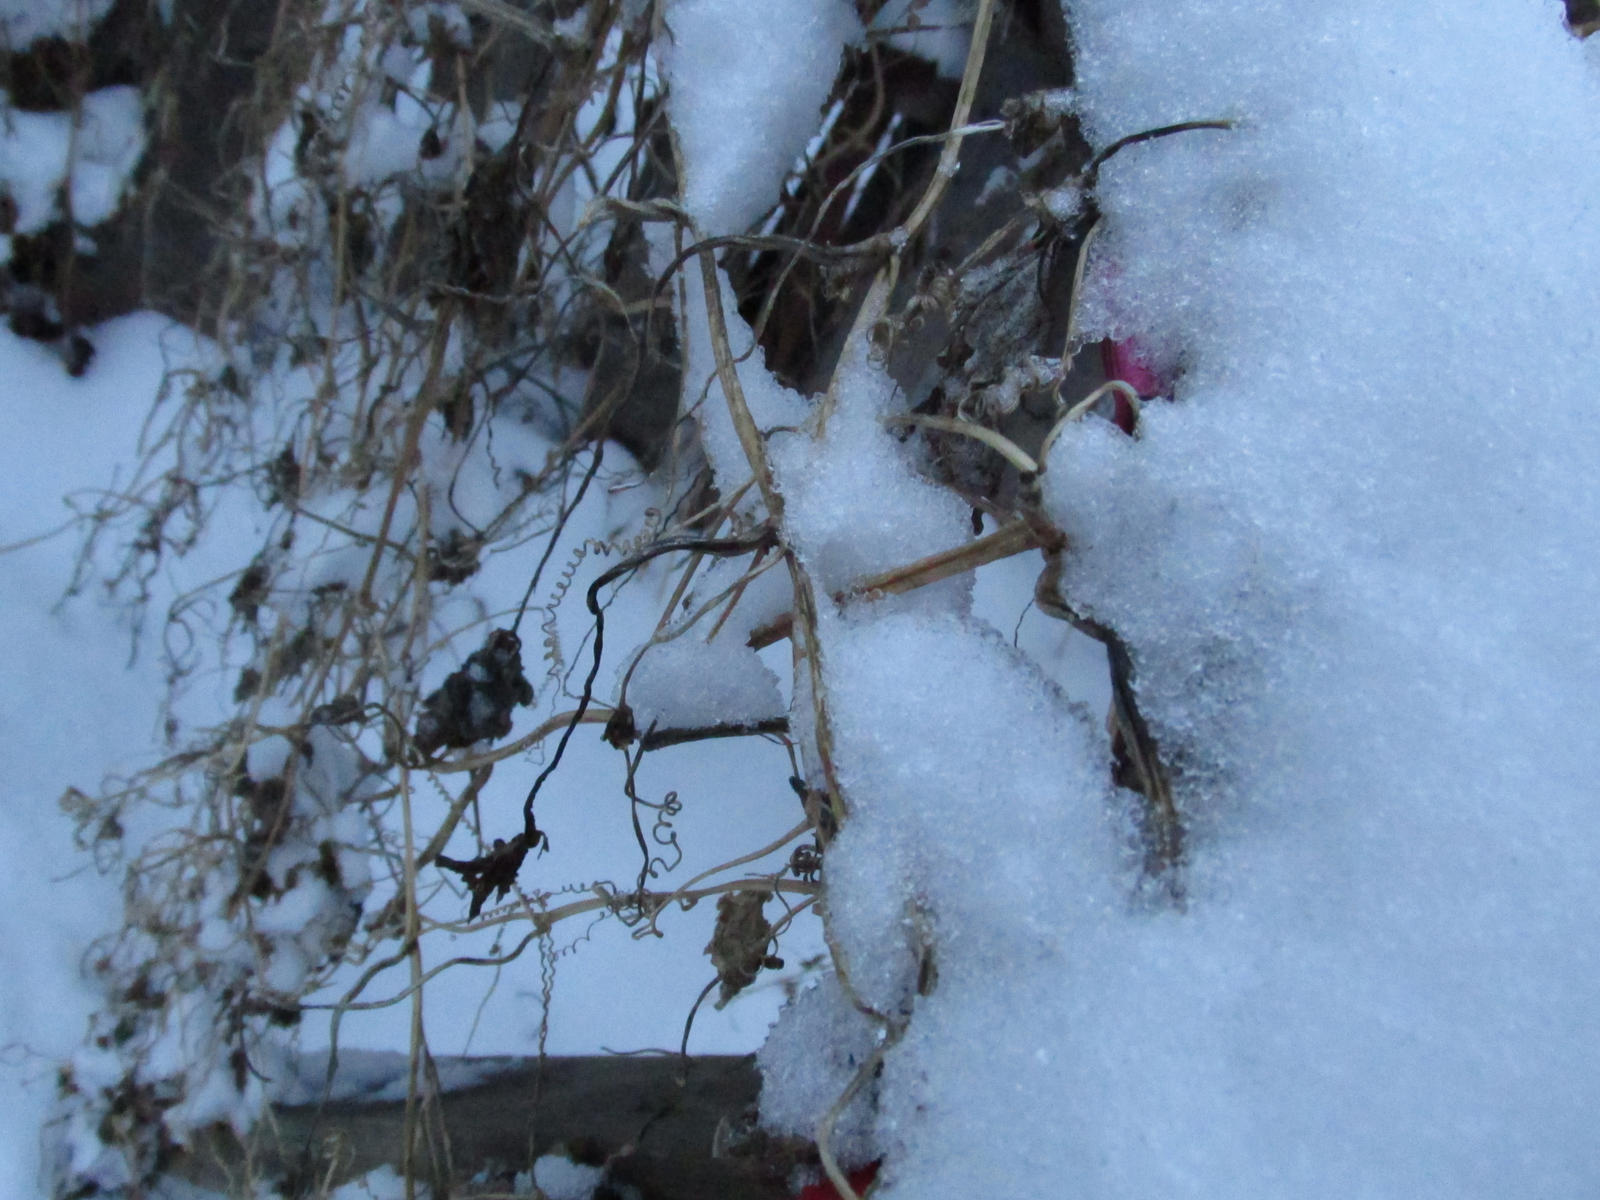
650, 1119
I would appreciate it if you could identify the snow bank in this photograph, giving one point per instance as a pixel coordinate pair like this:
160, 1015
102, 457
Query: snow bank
73, 708
1354, 563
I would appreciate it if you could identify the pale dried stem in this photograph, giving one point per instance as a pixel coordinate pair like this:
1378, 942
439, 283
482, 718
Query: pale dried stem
1164, 833
596, 714
414, 965
458, 807
806, 647
996, 441
1009, 540
771, 847
734, 594
883, 285
1081, 409
545, 920
830, 1119
750, 441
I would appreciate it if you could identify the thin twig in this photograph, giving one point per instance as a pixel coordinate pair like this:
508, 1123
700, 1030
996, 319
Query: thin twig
598, 714
877, 298
721, 548
995, 440
1005, 542
1091, 173
825, 1127
755, 855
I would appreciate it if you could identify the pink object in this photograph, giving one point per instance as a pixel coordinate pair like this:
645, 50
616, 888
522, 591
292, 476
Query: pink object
1122, 360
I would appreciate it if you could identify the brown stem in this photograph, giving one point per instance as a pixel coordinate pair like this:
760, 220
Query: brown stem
1003, 543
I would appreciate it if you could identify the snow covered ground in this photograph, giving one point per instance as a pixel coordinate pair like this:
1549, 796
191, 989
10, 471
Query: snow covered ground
73, 707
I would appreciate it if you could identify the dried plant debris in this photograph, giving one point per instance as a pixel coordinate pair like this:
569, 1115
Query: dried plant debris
495, 871
738, 946
250, 593
474, 704
454, 558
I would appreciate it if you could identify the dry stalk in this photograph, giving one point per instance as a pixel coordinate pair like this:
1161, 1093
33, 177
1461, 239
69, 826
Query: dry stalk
996, 441
595, 714
878, 295
414, 965
806, 647
825, 1127
1081, 409
1164, 833
771, 847
1011, 539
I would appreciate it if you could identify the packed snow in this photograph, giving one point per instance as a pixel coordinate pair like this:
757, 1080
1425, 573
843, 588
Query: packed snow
78, 704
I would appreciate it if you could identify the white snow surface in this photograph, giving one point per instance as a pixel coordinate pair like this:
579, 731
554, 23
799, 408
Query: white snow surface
854, 502
559, 1178
22, 21
747, 87
380, 1183
74, 707
39, 151
1355, 561
691, 684
808, 1061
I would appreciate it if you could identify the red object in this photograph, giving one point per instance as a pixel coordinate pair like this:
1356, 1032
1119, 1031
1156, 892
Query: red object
860, 1179
1123, 360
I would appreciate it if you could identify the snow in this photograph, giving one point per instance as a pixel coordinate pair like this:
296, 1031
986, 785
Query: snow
808, 1060
380, 1183
1350, 560
855, 503
1352, 556
73, 708
689, 684
562, 1179
746, 94
39, 151
23, 21
1347, 561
